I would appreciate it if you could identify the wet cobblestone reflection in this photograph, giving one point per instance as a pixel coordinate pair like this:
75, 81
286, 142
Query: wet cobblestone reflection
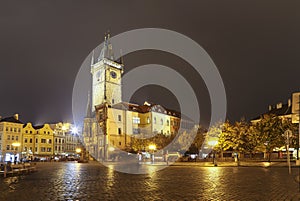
92, 181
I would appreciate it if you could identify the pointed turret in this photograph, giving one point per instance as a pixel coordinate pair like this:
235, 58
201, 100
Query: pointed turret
92, 59
107, 51
89, 107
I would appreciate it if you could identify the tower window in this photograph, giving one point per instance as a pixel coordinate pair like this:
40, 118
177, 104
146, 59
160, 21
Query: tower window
119, 118
119, 131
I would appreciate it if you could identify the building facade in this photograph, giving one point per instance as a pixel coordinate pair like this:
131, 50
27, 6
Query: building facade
10, 138
44, 142
111, 123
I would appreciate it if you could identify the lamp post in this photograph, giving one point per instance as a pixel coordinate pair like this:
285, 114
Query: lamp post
213, 142
78, 151
152, 147
288, 134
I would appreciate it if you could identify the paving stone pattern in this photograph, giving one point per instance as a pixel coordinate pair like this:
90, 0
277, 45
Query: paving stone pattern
93, 181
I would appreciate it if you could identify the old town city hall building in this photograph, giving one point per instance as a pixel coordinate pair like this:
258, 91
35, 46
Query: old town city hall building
110, 123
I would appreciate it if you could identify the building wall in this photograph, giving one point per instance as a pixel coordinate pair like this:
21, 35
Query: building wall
44, 141
28, 142
10, 133
160, 123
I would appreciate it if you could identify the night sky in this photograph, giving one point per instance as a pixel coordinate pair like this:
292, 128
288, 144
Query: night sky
254, 44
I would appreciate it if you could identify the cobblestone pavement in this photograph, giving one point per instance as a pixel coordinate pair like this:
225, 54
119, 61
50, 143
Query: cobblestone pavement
92, 181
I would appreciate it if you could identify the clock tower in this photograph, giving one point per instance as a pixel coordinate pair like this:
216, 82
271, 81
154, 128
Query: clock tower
106, 76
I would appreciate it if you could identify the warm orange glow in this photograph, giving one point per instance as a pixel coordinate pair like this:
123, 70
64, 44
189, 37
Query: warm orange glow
152, 146
16, 144
78, 150
212, 142
111, 148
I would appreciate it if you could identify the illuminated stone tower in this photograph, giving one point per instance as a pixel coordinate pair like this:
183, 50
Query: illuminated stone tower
106, 76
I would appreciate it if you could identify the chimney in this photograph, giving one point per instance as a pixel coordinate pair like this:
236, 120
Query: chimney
270, 107
279, 105
16, 116
289, 103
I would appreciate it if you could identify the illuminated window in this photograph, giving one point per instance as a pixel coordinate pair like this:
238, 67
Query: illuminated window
136, 120
148, 120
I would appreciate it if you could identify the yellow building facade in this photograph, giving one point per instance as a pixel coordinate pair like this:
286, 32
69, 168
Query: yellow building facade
43, 141
28, 141
10, 138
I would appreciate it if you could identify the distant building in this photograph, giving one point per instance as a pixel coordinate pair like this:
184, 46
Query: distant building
43, 141
10, 138
66, 139
28, 141
59, 134
289, 110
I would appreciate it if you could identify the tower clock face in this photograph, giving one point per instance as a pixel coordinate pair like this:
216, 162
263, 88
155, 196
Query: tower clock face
113, 74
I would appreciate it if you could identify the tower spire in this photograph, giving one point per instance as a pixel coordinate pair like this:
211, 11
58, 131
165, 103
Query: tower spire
92, 60
106, 51
89, 107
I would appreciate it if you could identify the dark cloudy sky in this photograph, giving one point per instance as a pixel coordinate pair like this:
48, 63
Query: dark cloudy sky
254, 44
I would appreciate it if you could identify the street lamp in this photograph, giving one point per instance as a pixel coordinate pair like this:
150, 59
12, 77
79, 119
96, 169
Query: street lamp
78, 151
74, 130
152, 147
213, 142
